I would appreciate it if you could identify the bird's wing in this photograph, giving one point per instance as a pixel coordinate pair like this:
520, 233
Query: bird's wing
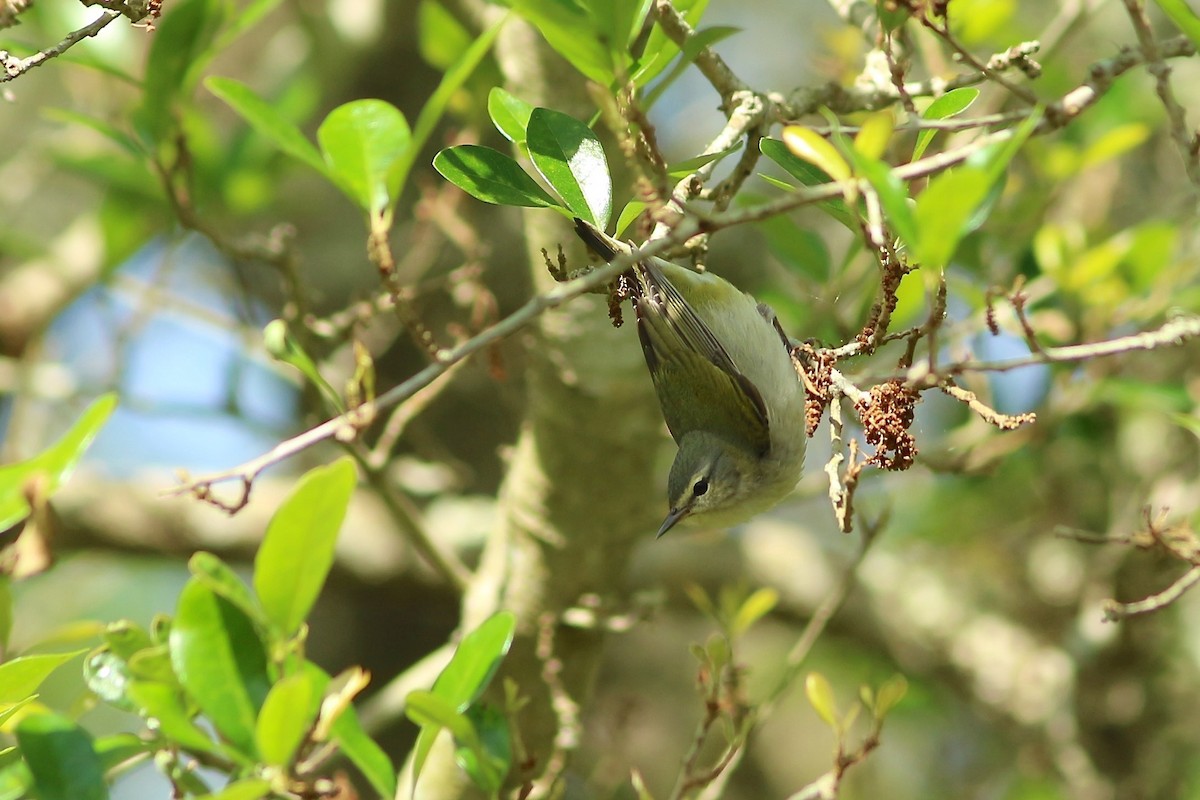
684, 358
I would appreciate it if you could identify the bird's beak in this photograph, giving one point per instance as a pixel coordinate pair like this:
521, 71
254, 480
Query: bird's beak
675, 516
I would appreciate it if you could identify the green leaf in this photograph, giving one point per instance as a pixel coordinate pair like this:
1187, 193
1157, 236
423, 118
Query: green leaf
21, 676
61, 759
571, 159
1183, 16
487, 757
476, 660
800, 249
297, 550
681, 168
126, 638
568, 29
121, 750
943, 212
163, 704
874, 135
286, 715
436, 105
364, 753
820, 696
218, 576
704, 37
181, 39
220, 661
245, 789
951, 104
889, 695
808, 175
632, 210
441, 38
808, 145
660, 49
265, 119
892, 194
491, 176
56, 462
361, 141
754, 608
510, 114
429, 710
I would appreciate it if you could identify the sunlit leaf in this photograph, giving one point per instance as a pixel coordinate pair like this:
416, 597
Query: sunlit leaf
55, 463
297, 549
569, 156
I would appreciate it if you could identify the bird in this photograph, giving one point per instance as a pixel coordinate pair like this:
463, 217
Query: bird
730, 395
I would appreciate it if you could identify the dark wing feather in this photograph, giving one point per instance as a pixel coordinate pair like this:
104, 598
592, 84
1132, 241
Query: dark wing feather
683, 356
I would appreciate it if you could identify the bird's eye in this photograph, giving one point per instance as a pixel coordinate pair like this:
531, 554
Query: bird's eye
699, 487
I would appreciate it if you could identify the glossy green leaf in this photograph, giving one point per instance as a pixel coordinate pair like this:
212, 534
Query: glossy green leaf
56, 462
1184, 17
61, 759
286, 715
361, 142
297, 550
618, 22
510, 114
220, 661
435, 106
476, 660
491, 176
218, 576
21, 676
951, 104
943, 212
820, 697
569, 156
181, 39
266, 120
568, 29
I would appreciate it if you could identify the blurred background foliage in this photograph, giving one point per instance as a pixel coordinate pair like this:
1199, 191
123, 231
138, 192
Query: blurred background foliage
1018, 688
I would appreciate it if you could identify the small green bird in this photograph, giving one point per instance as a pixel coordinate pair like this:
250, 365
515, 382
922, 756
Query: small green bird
729, 393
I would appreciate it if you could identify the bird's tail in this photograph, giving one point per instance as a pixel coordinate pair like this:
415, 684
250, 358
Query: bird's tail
596, 240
